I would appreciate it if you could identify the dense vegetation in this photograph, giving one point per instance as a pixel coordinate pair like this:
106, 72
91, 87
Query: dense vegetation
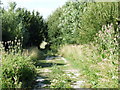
87, 34
78, 22
97, 61
94, 28
20, 29
23, 23
18, 70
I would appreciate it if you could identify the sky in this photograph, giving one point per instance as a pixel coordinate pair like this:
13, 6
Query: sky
45, 7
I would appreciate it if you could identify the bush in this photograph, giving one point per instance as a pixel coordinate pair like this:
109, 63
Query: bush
35, 54
107, 40
17, 71
78, 22
94, 16
97, 61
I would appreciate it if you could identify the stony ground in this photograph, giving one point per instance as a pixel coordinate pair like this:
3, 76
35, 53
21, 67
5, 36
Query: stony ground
43, 80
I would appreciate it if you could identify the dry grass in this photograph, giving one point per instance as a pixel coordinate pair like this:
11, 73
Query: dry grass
98, 72
34, 53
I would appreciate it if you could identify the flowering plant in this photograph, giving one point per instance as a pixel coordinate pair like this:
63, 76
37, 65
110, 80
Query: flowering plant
107, 40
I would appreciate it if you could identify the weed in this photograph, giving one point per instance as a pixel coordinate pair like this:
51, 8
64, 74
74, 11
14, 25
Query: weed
17, 69
97, 61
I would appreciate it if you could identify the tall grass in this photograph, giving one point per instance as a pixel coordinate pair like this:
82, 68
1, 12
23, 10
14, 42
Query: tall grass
97, 61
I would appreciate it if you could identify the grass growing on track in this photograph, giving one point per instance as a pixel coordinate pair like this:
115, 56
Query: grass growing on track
97, 71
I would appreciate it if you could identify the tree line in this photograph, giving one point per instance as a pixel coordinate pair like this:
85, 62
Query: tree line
73, 23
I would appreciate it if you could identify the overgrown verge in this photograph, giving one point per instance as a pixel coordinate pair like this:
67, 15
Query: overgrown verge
18, 70
97, 61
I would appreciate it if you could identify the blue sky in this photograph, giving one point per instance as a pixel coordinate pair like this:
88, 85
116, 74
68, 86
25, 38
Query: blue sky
45, 7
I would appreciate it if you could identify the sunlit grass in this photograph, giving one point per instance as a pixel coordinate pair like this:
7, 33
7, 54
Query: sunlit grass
97, 72
17, 68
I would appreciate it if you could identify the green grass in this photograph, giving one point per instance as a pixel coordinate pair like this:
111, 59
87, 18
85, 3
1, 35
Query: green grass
18, 70
57, 78
96, 72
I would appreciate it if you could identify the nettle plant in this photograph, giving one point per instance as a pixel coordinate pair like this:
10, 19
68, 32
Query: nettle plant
107, 41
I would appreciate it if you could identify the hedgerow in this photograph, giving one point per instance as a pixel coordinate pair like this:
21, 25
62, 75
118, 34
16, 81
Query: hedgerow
78, 22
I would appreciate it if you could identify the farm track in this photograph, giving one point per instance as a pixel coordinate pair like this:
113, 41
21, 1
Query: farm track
43, 80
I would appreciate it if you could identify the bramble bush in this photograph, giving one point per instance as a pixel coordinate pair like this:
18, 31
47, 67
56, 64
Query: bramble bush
18, 70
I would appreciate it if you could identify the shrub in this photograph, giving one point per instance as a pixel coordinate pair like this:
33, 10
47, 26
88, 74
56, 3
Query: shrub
17, 71
97, 61
78, 22
107, 40
95, 15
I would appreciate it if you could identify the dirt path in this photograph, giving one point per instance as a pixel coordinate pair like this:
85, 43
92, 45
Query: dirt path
43, 80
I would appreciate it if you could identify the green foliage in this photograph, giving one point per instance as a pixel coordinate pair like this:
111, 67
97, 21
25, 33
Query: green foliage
10, 24
18, 70
94, 16
19, 22
35, 27
59, 79
97, 61
70, 22
54, 33
107, 40
78, 22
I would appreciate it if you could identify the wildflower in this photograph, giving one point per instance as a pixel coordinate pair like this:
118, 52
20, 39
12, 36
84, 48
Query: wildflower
114, 77
18, 43
108, 31
104, 59
19, 40
15, 37
8, 46
15, 40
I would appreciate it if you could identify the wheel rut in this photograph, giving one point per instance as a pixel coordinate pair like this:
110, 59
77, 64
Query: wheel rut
43, 81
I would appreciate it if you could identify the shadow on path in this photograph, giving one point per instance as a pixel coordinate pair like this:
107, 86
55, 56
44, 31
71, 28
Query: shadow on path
46, 64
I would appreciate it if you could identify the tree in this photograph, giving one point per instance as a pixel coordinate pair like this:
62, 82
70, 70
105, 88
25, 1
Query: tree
78, 22
23, 23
